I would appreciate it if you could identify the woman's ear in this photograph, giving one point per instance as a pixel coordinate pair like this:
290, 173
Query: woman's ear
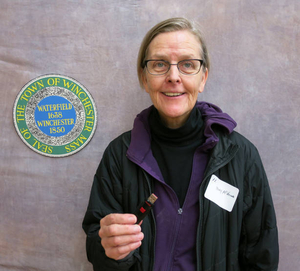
144, 80
203, 80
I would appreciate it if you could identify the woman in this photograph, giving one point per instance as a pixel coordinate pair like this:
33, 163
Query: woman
214, 209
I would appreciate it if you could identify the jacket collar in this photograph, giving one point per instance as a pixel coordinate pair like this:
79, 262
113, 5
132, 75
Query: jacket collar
140, 145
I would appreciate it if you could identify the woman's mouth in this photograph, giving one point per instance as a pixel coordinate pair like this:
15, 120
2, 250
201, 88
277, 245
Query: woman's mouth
172, 94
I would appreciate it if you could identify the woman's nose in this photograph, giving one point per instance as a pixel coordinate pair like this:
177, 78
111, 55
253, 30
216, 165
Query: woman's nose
173, 74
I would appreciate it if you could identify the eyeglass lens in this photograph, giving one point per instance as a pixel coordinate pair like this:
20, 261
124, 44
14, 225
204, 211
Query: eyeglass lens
189, 66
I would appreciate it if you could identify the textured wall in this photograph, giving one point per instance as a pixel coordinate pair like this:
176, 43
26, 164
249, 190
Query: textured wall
254, 46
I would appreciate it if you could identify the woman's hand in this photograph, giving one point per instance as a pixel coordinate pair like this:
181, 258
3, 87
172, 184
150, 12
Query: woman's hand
120, 235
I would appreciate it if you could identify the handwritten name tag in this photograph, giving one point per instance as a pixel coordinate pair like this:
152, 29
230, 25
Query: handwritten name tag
221, 193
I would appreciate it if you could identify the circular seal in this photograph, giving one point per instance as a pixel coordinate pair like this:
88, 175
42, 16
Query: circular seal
55, 115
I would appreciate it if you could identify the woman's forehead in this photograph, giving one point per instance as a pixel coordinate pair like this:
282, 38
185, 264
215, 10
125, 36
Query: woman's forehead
180, 43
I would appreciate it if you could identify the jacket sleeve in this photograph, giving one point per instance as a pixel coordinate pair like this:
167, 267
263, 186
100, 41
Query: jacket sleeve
105, 198
259, 248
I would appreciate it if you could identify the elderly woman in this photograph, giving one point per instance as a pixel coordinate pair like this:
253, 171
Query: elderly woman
214, 209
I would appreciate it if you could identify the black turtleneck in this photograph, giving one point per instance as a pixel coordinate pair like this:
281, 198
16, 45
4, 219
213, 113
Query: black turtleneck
174, 149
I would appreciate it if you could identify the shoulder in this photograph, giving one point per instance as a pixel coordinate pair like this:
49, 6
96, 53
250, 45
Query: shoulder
246, 147
115, 154
247, 151
249, 156
122, 139
119, 145
241, 141
234, 138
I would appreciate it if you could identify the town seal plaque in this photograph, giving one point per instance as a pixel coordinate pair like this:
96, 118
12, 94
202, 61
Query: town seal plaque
55, 115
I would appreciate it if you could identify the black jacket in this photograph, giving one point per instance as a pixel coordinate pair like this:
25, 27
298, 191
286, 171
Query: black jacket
244, 239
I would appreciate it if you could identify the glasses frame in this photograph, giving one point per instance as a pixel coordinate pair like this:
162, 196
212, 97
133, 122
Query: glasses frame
177, 64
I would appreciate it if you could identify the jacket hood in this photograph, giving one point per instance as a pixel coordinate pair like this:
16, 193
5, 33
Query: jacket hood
212, 116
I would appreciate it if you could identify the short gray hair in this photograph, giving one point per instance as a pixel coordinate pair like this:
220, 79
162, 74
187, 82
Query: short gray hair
170, 25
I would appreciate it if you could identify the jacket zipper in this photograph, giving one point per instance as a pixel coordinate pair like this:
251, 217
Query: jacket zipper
178, 222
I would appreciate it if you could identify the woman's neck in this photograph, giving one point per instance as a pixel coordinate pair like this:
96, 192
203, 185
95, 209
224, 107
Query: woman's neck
176, 122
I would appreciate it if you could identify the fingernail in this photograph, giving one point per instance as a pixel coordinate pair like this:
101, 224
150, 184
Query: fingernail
132, 219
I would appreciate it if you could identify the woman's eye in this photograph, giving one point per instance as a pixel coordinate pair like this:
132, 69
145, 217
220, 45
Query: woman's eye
160, 64
187, 65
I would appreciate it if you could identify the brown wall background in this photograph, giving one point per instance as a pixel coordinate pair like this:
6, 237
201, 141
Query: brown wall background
255, 77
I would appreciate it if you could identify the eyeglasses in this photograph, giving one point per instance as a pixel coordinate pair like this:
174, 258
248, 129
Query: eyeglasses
160, 67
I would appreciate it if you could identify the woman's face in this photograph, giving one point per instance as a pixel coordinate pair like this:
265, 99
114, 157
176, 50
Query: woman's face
174, 94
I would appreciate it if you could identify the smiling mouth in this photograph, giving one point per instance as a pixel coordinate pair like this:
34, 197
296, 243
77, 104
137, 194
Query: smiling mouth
170, 94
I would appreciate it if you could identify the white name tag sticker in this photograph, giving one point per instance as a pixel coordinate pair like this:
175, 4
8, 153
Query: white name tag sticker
221, 193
